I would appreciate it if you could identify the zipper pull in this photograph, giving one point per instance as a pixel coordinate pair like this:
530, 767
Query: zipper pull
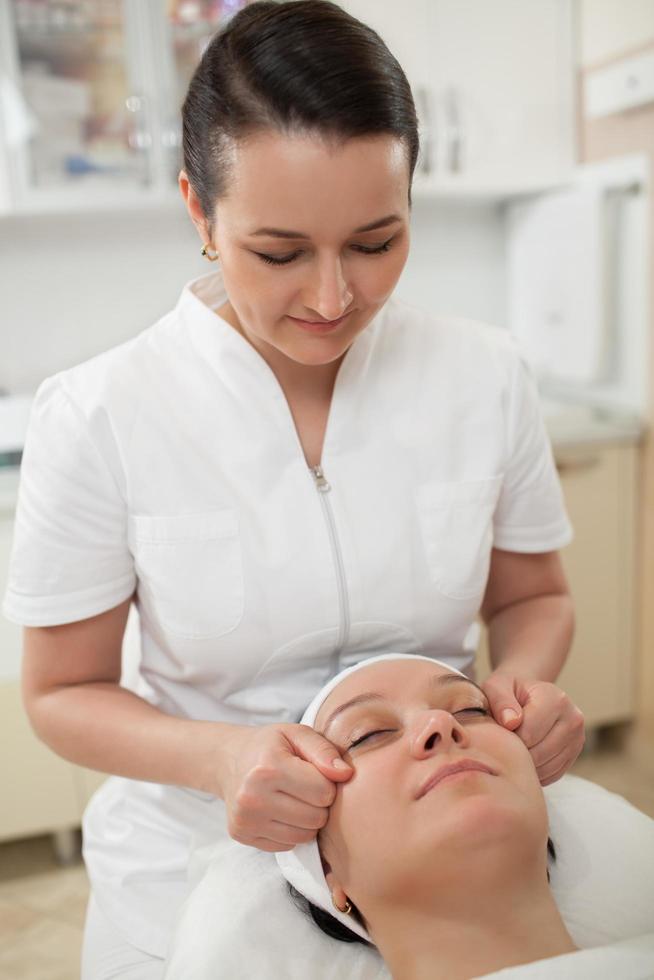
321, 483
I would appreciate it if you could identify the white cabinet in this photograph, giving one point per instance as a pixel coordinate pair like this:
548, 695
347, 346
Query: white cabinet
90, 98
90, 95
494, 85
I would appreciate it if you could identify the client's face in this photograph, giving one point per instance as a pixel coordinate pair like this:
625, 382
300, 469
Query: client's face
390, 837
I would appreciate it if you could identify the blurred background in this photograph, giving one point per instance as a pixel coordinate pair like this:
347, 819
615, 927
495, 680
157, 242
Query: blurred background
532, 210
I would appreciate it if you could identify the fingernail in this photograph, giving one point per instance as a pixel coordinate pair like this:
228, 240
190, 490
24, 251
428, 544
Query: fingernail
340, 764
508, 715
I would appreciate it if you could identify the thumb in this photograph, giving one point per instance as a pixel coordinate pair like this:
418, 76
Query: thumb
505, 706
315, 748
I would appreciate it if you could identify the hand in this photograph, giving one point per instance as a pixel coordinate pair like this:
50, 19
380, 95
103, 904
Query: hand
278, 783
544, 717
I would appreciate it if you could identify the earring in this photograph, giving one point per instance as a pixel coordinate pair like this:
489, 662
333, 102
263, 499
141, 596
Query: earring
204, 251
348, 906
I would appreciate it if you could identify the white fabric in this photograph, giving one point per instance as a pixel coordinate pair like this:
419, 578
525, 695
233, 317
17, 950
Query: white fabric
302, 865
106, 954
631, 959
602, 882
171, 464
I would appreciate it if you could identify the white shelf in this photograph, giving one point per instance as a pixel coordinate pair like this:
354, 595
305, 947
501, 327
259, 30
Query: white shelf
87, 199
461, 188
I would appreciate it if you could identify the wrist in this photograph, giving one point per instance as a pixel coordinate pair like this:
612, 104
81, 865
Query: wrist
210, 754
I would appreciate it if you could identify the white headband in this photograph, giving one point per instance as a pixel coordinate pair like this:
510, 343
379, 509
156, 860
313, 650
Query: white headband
302, 866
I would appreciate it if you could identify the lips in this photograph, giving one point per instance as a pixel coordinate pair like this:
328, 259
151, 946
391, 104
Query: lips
461, 765
320, 323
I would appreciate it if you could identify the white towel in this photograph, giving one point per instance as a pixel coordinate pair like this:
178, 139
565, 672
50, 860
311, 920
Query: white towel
630, 959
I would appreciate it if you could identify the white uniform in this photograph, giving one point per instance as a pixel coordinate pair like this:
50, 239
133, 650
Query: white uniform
171, 464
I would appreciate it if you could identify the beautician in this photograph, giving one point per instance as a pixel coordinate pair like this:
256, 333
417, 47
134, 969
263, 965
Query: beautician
290, 472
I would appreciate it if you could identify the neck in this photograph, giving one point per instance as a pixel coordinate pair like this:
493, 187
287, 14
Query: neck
470, 931
301, 381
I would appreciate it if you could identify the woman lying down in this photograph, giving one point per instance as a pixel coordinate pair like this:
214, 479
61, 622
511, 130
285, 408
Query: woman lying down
447, 874
434, 855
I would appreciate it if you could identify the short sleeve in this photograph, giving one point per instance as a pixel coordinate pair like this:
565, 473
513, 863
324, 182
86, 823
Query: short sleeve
530, 515
70, 558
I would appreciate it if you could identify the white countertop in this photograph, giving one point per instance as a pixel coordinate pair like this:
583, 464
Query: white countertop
572, 425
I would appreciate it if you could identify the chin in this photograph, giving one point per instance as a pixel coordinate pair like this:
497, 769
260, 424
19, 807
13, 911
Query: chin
317, 357
492, 817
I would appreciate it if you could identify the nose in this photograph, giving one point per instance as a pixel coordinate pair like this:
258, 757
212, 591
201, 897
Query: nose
436, 731
328, 295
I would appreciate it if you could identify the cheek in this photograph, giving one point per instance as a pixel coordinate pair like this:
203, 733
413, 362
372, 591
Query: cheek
514, 758
362, 817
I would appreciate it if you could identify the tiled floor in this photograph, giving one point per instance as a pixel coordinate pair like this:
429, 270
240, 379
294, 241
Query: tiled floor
42, 908
42, 905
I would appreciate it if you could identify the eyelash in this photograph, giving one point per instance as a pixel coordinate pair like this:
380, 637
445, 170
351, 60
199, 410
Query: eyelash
364, 251
381, 731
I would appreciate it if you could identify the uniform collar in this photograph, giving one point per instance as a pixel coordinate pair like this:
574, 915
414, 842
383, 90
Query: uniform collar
220, 344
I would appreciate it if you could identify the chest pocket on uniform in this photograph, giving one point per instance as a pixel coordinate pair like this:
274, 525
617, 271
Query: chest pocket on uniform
457, 526
190, 568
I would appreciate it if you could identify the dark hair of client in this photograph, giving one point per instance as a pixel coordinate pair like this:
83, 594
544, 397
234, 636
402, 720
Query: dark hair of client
298, 68
334, 928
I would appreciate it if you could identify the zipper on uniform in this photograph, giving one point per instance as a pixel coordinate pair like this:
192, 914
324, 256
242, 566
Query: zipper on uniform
319, 477
323, 487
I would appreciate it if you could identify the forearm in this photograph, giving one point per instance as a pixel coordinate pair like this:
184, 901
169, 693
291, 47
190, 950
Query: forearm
103, 726
532, 638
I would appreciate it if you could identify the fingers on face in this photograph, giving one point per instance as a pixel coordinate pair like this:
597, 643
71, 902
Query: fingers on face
554, 715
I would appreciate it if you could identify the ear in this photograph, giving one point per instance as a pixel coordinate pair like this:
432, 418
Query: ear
338, 892
194, 207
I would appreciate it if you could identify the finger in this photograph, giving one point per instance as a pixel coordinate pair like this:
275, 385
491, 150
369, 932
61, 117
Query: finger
290, 810
265, 844
315, 748
549, 768
556, 741
552, 779
276, 833
302, 781
546, 705
504, 704
560, 739
284, 833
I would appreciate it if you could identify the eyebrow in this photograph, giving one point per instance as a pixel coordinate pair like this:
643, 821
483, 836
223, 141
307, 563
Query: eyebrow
281, 233
436, 680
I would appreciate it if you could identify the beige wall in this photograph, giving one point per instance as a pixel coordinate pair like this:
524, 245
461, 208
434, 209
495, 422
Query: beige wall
610, 30
611, 27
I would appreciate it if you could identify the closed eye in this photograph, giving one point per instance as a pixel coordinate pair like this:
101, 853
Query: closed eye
381, 731
384, 731
286, 259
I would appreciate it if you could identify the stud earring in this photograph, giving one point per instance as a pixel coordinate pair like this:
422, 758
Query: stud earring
205, 251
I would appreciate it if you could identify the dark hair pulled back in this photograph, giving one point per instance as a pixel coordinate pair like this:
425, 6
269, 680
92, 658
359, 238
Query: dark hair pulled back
333, 927
298, 67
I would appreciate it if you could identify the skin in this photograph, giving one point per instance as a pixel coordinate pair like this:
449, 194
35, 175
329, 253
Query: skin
453, 884
325, 190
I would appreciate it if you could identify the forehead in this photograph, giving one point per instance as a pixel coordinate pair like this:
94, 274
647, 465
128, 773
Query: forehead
394, 679
303, 181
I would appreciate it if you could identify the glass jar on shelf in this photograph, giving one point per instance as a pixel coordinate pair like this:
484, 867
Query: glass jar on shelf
72, 72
